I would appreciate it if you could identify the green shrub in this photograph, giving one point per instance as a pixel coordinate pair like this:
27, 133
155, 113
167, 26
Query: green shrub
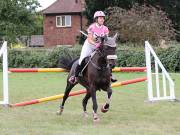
130, 58
170, 58
127, 57
47, 58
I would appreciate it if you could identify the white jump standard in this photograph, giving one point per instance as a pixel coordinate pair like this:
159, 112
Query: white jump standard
150, 52
3, 53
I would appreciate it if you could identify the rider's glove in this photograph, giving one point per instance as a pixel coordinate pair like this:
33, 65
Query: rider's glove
97, 45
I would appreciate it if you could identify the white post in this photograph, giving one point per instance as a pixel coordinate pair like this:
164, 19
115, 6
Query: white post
172, 94
164, 84
5, 75
3, 52
157, 78
148, 71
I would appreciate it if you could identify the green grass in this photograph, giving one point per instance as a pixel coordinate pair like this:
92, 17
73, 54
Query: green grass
128, 115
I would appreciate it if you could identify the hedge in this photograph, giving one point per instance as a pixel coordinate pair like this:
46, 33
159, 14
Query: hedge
48, 58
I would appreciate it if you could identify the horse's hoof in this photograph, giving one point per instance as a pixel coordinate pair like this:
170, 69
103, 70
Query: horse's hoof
59, 112
105, 108
85, 115
95, 118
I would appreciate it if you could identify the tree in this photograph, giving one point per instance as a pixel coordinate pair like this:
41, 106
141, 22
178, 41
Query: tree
17, 18
94, 5
171, 7
38, 21
140, 23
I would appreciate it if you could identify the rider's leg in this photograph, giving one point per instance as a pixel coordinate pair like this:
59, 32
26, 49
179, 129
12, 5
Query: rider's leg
73, 79
87, 49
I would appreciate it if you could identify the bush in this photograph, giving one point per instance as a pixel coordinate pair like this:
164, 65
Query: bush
130, 58
127, 57
170, 58
140, 23
39, 58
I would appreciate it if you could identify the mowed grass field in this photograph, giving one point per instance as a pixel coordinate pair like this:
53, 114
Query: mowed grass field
128, 114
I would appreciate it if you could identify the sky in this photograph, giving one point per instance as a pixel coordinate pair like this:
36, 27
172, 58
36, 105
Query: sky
45, 3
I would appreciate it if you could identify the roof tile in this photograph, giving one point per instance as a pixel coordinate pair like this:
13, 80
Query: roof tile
65, 6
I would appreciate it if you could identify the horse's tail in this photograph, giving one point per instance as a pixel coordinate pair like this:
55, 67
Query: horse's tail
67, 62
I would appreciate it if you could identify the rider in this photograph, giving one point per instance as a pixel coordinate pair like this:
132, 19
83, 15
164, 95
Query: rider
95, 30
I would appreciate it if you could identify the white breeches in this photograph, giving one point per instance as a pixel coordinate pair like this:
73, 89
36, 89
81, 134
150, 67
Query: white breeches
87, 49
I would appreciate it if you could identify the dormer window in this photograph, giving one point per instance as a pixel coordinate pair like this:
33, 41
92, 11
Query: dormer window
63, 21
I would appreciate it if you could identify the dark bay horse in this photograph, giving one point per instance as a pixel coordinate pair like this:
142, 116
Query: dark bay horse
96, 75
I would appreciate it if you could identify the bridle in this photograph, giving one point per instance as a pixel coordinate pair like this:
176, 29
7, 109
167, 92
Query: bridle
95, 65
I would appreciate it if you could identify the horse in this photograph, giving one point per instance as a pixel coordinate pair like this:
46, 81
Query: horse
95, 75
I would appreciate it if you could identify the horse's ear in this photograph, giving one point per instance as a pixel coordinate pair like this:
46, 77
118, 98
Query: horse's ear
115, 36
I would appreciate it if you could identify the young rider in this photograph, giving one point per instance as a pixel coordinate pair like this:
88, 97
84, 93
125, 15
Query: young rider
97, 29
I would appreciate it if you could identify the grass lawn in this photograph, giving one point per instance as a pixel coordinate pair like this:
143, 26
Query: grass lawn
128, 114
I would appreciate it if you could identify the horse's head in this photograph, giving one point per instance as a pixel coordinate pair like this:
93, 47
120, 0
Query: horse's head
108, 49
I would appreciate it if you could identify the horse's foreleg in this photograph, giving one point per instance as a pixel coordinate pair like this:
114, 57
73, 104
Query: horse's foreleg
69, 86
109, 93
84, 102
105, 107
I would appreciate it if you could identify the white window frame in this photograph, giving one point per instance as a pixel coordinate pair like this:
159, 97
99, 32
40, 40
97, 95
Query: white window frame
61, 21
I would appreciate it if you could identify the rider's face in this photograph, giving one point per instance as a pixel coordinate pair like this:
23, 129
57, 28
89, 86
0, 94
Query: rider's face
100, 20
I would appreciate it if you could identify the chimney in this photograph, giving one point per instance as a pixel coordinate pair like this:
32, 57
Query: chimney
83, 4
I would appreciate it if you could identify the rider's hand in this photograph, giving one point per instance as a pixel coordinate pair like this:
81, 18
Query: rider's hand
97, 45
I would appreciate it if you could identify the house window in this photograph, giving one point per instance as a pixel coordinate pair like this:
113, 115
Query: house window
63, 21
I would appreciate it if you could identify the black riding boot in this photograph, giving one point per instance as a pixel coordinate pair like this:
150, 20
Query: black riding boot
73, 79
78, 70
112, 79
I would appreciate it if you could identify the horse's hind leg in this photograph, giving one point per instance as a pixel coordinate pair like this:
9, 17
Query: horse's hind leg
84, 102
69, 86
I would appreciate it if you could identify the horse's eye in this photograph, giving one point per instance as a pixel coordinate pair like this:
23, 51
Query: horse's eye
106, 47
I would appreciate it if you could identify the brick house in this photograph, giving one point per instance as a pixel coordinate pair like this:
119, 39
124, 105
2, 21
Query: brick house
62, 20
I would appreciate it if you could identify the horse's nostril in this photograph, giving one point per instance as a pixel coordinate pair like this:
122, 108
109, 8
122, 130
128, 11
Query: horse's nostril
112, 65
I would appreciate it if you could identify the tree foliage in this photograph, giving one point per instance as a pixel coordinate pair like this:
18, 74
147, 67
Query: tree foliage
38, 21
171, 7
94, 5
17, 18
140, 23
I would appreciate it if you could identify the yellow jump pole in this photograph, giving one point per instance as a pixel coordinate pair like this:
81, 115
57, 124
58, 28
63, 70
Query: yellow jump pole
50, 98
116, 69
